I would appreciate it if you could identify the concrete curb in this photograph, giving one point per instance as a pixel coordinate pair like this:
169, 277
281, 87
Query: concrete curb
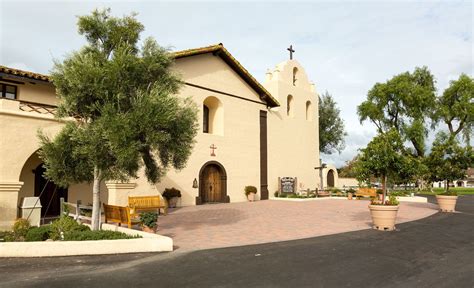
149, 243
416, 199
307, 199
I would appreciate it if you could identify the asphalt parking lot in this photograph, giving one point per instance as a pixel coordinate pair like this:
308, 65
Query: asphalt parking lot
436, 251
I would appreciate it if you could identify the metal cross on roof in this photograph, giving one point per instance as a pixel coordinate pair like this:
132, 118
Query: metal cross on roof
291, 51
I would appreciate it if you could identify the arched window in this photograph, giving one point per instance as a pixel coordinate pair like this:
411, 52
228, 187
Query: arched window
295, 75
205, 119
289, 106
309, 111
213, 116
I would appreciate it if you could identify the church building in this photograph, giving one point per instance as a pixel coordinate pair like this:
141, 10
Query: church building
249, 134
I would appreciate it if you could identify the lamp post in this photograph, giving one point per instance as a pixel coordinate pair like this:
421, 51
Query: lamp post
320, 168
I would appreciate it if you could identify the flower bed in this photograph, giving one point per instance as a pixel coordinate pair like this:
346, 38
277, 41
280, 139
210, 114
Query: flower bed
62, 229
88, 243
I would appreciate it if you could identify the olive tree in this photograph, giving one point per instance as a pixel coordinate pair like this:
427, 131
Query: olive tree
120, 103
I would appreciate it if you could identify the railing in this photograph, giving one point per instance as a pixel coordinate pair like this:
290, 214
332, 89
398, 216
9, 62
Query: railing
37, 107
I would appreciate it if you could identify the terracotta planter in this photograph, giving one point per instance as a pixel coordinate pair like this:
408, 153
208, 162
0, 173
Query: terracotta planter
172, 202
251, 197
349, 196
446, 203
383, 216
148, 229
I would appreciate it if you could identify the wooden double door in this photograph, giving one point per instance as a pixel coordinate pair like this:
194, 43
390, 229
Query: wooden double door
212, 191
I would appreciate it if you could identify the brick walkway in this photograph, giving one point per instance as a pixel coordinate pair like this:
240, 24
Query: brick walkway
236, 224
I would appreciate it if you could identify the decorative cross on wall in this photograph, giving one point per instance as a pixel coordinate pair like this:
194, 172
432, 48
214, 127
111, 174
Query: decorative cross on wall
213, 147
291, 51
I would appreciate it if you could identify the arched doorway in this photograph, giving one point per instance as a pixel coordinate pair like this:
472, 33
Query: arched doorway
212, 184
330, 178
460, 184
49, 193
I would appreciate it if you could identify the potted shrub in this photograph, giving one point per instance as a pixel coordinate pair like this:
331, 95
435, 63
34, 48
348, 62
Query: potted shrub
149, 221
383, 156
250, 192
447, 162
350, 193
172, 195
384, 213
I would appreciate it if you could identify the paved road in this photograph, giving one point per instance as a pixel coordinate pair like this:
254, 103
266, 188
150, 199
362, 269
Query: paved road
437, 251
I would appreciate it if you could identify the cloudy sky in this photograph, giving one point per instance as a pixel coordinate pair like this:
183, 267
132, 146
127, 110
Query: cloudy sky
345, 46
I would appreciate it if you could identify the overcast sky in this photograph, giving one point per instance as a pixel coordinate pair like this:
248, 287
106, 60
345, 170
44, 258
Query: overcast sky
345, 47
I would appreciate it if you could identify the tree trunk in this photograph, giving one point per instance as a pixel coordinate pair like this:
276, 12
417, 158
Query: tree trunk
96, 200
447, 186
384, 187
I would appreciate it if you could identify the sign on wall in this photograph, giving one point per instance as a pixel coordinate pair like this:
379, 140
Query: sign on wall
287, 184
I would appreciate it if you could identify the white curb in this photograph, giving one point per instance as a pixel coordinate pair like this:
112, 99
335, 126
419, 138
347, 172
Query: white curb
149, 243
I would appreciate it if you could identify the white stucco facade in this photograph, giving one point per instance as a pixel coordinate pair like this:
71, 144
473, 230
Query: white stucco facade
247, 128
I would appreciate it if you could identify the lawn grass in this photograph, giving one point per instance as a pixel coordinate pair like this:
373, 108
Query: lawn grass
459, 190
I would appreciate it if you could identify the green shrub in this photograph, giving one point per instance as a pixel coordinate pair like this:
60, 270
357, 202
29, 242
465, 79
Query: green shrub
351, 190
283, 195
20, 228
77, 235
149, 219
392, 200
450, 193
65, 225
7, 236
38, 233
400, 193
250, 189
293, 196
171, 193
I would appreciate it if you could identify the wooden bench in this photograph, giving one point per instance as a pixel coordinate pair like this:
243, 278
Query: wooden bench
120, 215
366, 192
322, 193
144, 203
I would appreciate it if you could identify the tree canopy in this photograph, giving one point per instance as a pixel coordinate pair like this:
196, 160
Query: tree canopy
383, 157
404, 103
455, 107
331, 126
122, 108
448, 160
348, 170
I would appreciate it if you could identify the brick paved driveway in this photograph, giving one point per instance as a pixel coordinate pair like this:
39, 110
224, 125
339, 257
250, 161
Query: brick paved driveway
236, 224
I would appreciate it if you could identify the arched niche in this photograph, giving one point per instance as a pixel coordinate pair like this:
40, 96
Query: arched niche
213, 116
309, 111
289, 106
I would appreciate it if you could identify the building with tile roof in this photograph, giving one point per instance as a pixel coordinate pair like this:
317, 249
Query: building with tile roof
249, 134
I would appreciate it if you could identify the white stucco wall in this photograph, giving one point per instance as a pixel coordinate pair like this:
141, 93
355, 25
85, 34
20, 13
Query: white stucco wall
293, 148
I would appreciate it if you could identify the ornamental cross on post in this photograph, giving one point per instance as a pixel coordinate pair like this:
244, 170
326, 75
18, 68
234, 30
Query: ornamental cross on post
213, 147
291, 51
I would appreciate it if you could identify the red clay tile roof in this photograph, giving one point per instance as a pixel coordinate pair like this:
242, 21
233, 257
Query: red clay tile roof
26, 74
